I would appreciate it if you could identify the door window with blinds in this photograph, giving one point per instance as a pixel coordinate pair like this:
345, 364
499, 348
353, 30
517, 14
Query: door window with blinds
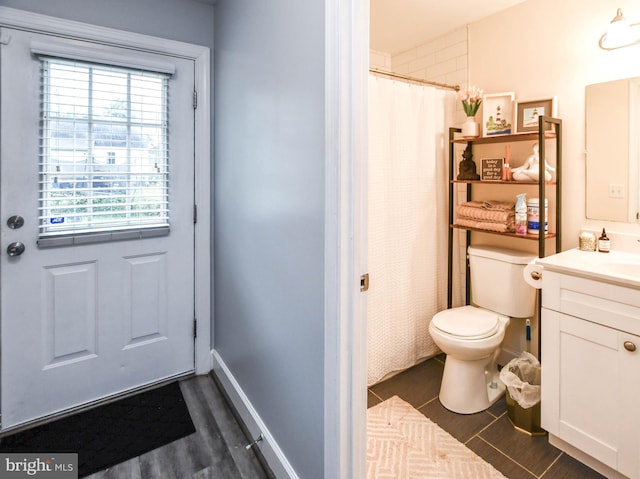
104, 166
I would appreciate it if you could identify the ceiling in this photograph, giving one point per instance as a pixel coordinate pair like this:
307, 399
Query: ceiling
398, 25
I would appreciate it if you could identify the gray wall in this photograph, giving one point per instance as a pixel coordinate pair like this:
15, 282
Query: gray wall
183, 20
269, 215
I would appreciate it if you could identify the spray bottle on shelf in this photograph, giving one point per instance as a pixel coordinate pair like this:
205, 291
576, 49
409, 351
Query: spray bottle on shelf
521, 214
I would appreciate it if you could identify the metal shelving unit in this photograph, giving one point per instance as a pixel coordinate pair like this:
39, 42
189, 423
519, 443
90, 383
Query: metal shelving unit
555, 133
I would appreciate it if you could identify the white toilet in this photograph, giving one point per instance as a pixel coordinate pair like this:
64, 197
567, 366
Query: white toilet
470, 336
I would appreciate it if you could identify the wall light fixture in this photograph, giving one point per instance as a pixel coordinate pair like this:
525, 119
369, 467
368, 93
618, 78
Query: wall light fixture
621, 33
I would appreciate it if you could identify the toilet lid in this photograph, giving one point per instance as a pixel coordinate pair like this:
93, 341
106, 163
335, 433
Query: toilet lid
467, 322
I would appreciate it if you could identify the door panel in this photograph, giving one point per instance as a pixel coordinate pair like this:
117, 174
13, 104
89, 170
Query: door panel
91, 320
145, 294
69, 313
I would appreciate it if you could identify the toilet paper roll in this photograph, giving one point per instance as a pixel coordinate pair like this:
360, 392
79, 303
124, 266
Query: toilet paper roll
533, 274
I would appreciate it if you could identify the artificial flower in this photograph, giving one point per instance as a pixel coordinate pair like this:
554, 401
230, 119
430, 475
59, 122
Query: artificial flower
471, 99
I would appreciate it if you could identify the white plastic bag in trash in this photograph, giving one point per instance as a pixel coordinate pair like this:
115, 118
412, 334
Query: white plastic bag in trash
522, 378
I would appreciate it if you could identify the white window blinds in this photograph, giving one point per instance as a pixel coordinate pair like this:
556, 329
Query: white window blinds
104, 163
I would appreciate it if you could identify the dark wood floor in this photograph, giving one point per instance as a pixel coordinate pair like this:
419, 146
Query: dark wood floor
215, 451
489, 433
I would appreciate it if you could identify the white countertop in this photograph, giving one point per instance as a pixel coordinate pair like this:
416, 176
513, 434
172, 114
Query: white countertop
616, 267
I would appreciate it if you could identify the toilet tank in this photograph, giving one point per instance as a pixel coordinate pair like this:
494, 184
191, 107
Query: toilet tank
497, 281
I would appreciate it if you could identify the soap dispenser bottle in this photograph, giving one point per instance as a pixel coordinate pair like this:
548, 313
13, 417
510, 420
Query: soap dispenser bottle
604, 244
521, 214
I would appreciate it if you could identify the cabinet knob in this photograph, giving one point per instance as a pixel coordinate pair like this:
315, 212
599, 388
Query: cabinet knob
629, 346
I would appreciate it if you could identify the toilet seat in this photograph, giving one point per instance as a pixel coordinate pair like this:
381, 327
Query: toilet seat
467, 322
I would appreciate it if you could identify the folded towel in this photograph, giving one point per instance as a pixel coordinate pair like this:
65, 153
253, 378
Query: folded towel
466, 211
486, 225
474, 204
494, 205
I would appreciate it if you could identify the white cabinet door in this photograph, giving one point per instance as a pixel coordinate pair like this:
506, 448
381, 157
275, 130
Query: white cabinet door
590, 389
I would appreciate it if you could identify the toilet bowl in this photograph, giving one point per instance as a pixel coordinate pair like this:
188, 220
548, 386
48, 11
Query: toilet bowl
470, 337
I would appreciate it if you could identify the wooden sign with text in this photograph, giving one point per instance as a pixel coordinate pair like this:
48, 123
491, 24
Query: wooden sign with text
491, 169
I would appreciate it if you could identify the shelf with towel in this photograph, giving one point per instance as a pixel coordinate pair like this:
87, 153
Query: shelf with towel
548, 129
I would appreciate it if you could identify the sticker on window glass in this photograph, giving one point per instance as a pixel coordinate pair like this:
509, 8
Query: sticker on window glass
56, 221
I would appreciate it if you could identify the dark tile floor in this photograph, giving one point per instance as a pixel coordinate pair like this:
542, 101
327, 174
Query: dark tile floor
489, 433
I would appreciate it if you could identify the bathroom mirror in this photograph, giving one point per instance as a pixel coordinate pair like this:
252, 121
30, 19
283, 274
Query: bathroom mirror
612, 111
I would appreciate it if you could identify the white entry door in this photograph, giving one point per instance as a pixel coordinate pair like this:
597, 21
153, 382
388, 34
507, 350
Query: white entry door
96, 222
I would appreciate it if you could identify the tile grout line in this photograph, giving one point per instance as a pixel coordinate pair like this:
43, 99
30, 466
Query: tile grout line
378, 397
507, 456
477, 434
551, 465
428, 402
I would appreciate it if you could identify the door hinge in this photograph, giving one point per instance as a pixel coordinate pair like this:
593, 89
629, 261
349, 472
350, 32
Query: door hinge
364, 282
195, 214
195, 99
195, 328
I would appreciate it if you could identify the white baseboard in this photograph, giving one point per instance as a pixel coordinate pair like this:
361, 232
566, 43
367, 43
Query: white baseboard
269, 448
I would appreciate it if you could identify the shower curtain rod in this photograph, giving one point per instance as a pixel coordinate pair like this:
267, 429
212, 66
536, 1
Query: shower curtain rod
417, 80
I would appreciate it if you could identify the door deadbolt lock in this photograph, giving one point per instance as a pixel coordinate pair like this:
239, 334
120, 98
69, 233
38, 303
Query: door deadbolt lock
15, 222
15, 249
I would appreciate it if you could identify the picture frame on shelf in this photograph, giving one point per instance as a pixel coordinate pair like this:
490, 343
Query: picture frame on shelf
497, 114
527, 112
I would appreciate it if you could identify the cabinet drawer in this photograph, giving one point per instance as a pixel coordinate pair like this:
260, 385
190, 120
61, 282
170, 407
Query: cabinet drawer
607, 304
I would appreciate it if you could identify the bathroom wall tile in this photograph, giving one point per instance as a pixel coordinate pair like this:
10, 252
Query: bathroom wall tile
433, 46
402, 58
532, 452
379, 60
444, 58
458, 77
401, 69
419, 74
456, 36
421, 63
461, 426
441, 68
505, 465
452, 51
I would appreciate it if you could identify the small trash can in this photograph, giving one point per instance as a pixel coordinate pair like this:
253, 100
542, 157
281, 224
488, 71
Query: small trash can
521, 376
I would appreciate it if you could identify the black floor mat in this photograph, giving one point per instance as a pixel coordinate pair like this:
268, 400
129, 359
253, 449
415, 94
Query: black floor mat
111, 433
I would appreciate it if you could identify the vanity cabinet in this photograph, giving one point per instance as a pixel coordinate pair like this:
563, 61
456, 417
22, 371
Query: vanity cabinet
539, 187
591, 371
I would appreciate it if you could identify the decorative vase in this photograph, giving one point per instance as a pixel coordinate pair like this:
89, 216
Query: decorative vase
470, 129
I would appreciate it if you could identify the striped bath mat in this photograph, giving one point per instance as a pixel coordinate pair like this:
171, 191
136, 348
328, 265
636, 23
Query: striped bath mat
403, 444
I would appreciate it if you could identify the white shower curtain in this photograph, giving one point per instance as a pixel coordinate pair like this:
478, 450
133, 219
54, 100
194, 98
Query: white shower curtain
408, 223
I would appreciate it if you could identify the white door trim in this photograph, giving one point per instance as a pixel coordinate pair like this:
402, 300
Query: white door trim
346, 144
13, 18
